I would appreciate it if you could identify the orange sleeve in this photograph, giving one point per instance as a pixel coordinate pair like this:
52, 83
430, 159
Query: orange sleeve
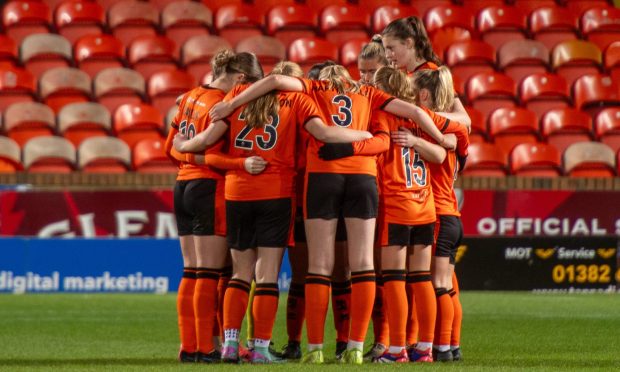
308, 85
380, 142
378, 98
305, 109
462, 136
223, 161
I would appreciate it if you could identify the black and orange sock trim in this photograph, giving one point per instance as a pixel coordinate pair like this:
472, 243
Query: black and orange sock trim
189, 272
451, 292
379, 279
226, 272
440, 292
418, 276
393, 275
206, 273
297, 290
318, 279
239, 284
267, 289
363, 276
341, 288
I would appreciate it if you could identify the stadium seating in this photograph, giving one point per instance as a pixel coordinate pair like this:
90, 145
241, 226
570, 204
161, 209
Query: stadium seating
509, 127
308, 51
485, 160
607, 125
49, 154
16, 85
488, 91
265, 6
552, 25
94, 53
63, 85
535, 160
268, 50
116, 86
601, 25
26, 120
41, 52
214, 5
386, 13
500, 24
612, 60
445, 37
543, 92
575, 58
594, 92
149, 156
76, 19
197, 52
321, 4
10, 156
104, 155
467, 58
349, 53
448, 15
520, 58
8, 52
130, 19
135, 122
424, 6
23, 18
291, 22
236, 22
580, 6
478, 125
589, 159
562, 127
528, 6
164, 87
79, 121
340, 23
151, 54
182, 20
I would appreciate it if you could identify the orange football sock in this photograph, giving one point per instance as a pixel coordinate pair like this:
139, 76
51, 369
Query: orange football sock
295, 311
317, 302
380, 324
222, 284
396, 306
455, 339
264, 309
185, 310
412, 319
235, 305
341, 305
445, 317
205, 307
426, 304
363, 289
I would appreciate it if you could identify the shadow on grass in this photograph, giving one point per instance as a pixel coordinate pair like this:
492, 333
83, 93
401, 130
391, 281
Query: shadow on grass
88, 361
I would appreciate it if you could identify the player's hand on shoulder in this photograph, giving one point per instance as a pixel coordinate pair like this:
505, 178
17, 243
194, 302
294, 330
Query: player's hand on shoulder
403, 137
255, 164
220, 111
179, 141
449, 141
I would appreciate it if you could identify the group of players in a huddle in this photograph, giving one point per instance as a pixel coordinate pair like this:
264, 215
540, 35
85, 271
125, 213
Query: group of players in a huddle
317, 165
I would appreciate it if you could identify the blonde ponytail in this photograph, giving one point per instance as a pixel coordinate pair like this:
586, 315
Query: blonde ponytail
439, 83
395, 82
220, 61
339, 79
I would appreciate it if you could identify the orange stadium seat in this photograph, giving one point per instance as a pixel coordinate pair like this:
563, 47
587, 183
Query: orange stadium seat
478, 125
75, 19
589, 159
575, 58
448, 15
511, 126
563, 127
182, 20
488, 91
116, 86
340, 23
553, 25
308, 51
485, 160
131, 19
151, 54
41, 52
10, 156
594, 92
443, 38
197, 53
16, 85
580, 6
26, 120
8, 52
601, 26
94, 53
104, 155
467, 58
79, 121
291, 22
607, 124
535, 160
149, 156
236, 22
520, 58
63, 85
135, 122
500, 24
23, 18
164, 88
543, 92
268, 50
528, 6
349, 53
50, 154
383, 15
612, 60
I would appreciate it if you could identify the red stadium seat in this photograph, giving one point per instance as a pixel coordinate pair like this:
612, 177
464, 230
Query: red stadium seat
528, 6
149, 156
10, 156
445, 37
601, 25
49, 154
291, 22
563, 127
424, 6
42, 52
63, 85
535, 160
553, 25
340, 23
23, 18
575, 58
612, 60
383, 15
151, 54
265, 6
467, 58
133, 123
79, 121
488, 91
485, 160
131, 19
26, 120
238, 21
478, 125
16, 85
500, 24
444, 16
8, 52
182, 20
214, 5
594, 92
319, 5
164, 88
589, 159
104, 155
107, 4
608, 127
520, 58
349, 53
371, 5
116, 86
268, 50
308, 51
580, 6
76, 19
511, 126
198, 51
476, 6
94, 53
543, 92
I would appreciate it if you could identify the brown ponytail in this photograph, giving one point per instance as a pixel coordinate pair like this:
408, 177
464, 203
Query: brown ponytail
395, 82
413, 27
439, 84
226, 61
339, 79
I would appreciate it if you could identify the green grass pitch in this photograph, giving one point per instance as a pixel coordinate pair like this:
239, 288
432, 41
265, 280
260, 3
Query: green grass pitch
501, 331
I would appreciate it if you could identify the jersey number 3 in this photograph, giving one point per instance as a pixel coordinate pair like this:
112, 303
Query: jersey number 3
264, 142
345, 116
415, 168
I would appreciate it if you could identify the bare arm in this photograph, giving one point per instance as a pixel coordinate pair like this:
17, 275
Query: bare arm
324, 133
458, 114
202, 140
407, 110
428, 151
